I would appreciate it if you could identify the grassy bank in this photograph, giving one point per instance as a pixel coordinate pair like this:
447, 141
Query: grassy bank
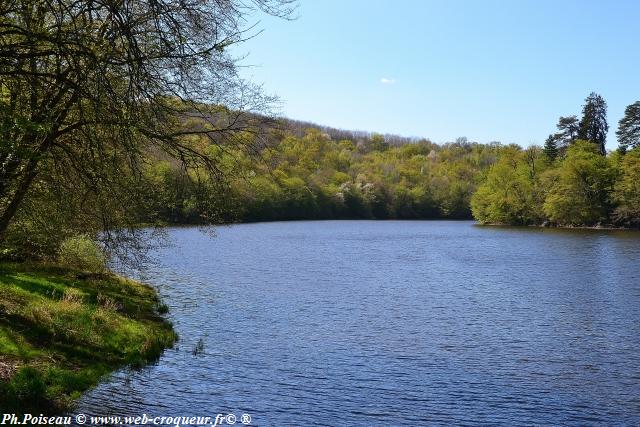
61, 332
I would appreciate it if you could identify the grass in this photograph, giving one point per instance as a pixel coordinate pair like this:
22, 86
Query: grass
61, 332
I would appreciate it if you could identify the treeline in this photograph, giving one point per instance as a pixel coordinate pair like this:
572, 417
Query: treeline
315, 176
282, 173
314, 172
572, 181
128, 122
299, 128
293, 173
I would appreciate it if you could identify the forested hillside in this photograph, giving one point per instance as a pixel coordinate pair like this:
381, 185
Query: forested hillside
317, 172
318, 177
290, 170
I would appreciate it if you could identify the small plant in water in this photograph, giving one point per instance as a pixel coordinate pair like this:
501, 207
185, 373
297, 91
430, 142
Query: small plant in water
162, 308
198, 347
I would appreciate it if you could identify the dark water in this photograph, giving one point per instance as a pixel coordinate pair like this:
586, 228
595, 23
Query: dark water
394, 323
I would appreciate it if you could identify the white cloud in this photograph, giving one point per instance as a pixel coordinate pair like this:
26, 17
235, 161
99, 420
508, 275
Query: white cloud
387, 81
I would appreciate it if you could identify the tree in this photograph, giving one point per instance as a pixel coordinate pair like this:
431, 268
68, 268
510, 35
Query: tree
593, 126
378, 143
629, 127
627, 190
579, 189
95, 86
551, 147
569, 128
511, 194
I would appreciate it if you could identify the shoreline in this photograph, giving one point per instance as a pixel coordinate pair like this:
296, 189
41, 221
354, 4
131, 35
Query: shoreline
562, 227
476, 223
62, 332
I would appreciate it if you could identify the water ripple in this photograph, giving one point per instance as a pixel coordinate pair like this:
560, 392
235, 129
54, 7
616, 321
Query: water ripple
394, 323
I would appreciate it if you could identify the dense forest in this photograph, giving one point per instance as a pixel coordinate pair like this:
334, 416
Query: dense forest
572, 181
296, 170
313, 172
300, 173
315, 176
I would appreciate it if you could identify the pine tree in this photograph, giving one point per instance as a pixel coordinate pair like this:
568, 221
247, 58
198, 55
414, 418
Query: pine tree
551, 147
569, 127
629, 127
593, 126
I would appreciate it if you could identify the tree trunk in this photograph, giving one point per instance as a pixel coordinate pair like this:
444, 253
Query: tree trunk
16, 200
31, 170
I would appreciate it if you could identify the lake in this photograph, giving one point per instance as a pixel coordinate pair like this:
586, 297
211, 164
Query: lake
393, 323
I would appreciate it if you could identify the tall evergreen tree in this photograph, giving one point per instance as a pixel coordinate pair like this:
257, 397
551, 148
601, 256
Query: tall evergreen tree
593, 126
629, 127
551, 147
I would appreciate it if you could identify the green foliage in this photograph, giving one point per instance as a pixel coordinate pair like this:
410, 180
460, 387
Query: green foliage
60, 335
573, 183
627, 190
315, 177
579, 189
27, 385
511, 192
378, 143
551, 148
88, 106
629, 127
568, 130
310, 175
593, 125
583, 188
82, 253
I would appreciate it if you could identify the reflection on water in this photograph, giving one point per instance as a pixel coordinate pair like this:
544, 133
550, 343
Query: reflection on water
394, 323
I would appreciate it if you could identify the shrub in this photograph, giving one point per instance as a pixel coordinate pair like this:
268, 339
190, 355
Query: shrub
82, 252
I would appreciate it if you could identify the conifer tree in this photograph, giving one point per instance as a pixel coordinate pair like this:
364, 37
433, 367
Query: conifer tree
593, 126
569, 127
629, 127
551, 147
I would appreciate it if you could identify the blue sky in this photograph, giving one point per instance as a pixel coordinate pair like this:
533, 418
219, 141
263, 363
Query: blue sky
488, 70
